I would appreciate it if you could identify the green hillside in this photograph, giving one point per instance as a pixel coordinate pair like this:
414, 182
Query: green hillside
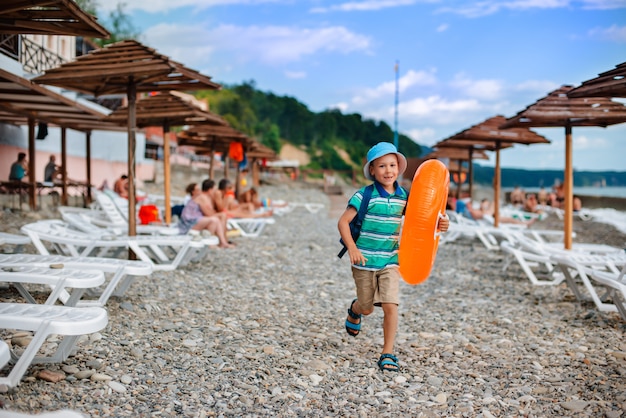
275, 120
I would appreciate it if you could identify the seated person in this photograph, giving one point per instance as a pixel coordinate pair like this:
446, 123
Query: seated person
52, 171
486, 211
19, 169
531, 204
224, 200
121, 186
193, 218
517, 196
543, 197
252, 196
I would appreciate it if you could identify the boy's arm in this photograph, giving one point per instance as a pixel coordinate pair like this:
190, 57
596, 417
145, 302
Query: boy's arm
356, 257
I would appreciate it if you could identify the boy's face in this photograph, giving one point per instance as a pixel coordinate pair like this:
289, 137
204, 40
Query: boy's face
385, 169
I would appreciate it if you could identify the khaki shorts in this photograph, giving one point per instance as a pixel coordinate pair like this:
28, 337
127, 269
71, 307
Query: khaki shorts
374, 288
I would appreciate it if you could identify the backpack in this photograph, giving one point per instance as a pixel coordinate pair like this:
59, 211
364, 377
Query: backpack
357, 222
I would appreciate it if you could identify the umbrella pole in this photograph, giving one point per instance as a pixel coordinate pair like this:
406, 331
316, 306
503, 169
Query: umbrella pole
132, 222
568, 185
471, 171
166, 172
88, 156
496, 188
64, 198
32, 189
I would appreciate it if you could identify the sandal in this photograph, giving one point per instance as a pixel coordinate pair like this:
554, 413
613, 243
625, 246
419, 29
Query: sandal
352, 328
388, 362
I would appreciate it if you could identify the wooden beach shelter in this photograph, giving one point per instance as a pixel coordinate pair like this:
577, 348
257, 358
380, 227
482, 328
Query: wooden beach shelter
211, 139
610, 83
460, 155
48, 17
558, 110
489, 136
25, 103
166, 109
126, 67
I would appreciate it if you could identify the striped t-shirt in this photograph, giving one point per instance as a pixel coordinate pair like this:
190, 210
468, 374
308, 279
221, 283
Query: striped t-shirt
380, 231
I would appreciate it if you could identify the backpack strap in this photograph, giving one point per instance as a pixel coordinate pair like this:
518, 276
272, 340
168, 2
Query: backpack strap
367, 194
358, 218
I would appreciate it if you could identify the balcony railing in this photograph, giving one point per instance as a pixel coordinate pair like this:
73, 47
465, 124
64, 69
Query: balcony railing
36, 59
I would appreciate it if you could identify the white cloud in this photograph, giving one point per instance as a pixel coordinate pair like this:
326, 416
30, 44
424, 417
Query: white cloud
388, 88
274, 45
536, 86
369, 5
342, 106
159, 6
613, 33
489, 7
421, 136
480, 89
295, 74
443, 27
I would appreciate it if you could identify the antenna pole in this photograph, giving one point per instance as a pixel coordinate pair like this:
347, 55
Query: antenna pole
395, 131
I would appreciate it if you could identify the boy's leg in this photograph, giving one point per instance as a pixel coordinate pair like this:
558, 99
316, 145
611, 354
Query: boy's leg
390, 326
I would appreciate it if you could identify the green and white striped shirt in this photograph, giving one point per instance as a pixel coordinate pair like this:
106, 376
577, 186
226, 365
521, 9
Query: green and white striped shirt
380, 232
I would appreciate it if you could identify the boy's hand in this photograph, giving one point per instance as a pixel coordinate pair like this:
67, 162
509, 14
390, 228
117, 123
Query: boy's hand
443, 224
356, 257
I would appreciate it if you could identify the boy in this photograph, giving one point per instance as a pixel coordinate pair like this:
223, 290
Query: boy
374, 257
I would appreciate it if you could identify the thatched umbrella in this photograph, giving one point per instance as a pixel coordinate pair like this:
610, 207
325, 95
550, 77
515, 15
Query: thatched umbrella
460, 154
126, 67
558, 110
167, 109
23, 103
48, 17
610, 83
489, 136
212, 139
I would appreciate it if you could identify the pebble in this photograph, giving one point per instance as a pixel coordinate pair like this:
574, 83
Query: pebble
259, 331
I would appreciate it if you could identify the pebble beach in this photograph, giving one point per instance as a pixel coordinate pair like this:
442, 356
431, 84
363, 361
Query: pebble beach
258, 331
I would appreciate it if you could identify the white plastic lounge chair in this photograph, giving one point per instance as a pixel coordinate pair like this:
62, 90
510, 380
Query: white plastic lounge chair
606, 271
43, 321
533, 253
535, 264
58, 279
249, 227
109, 215
13, 239
162, 252
122, 272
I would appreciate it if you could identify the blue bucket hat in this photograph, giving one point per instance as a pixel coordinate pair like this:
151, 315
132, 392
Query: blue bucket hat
377, 151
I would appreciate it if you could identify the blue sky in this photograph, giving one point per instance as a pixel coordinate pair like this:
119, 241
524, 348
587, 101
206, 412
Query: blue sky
460, 62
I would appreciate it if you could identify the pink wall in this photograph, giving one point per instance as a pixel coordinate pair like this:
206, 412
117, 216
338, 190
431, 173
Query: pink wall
101, 170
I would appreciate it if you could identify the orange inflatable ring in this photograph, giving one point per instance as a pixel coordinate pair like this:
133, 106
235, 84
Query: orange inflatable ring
427, 203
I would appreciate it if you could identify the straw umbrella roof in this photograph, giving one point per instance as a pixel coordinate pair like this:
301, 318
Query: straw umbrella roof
559, 110
48, 17
21, 99
170, 108
457, 153
110, 70
490, 136
610, 83
166, 109
126, 67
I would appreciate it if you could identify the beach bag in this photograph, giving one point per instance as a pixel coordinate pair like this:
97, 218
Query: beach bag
357, 222
149, 214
